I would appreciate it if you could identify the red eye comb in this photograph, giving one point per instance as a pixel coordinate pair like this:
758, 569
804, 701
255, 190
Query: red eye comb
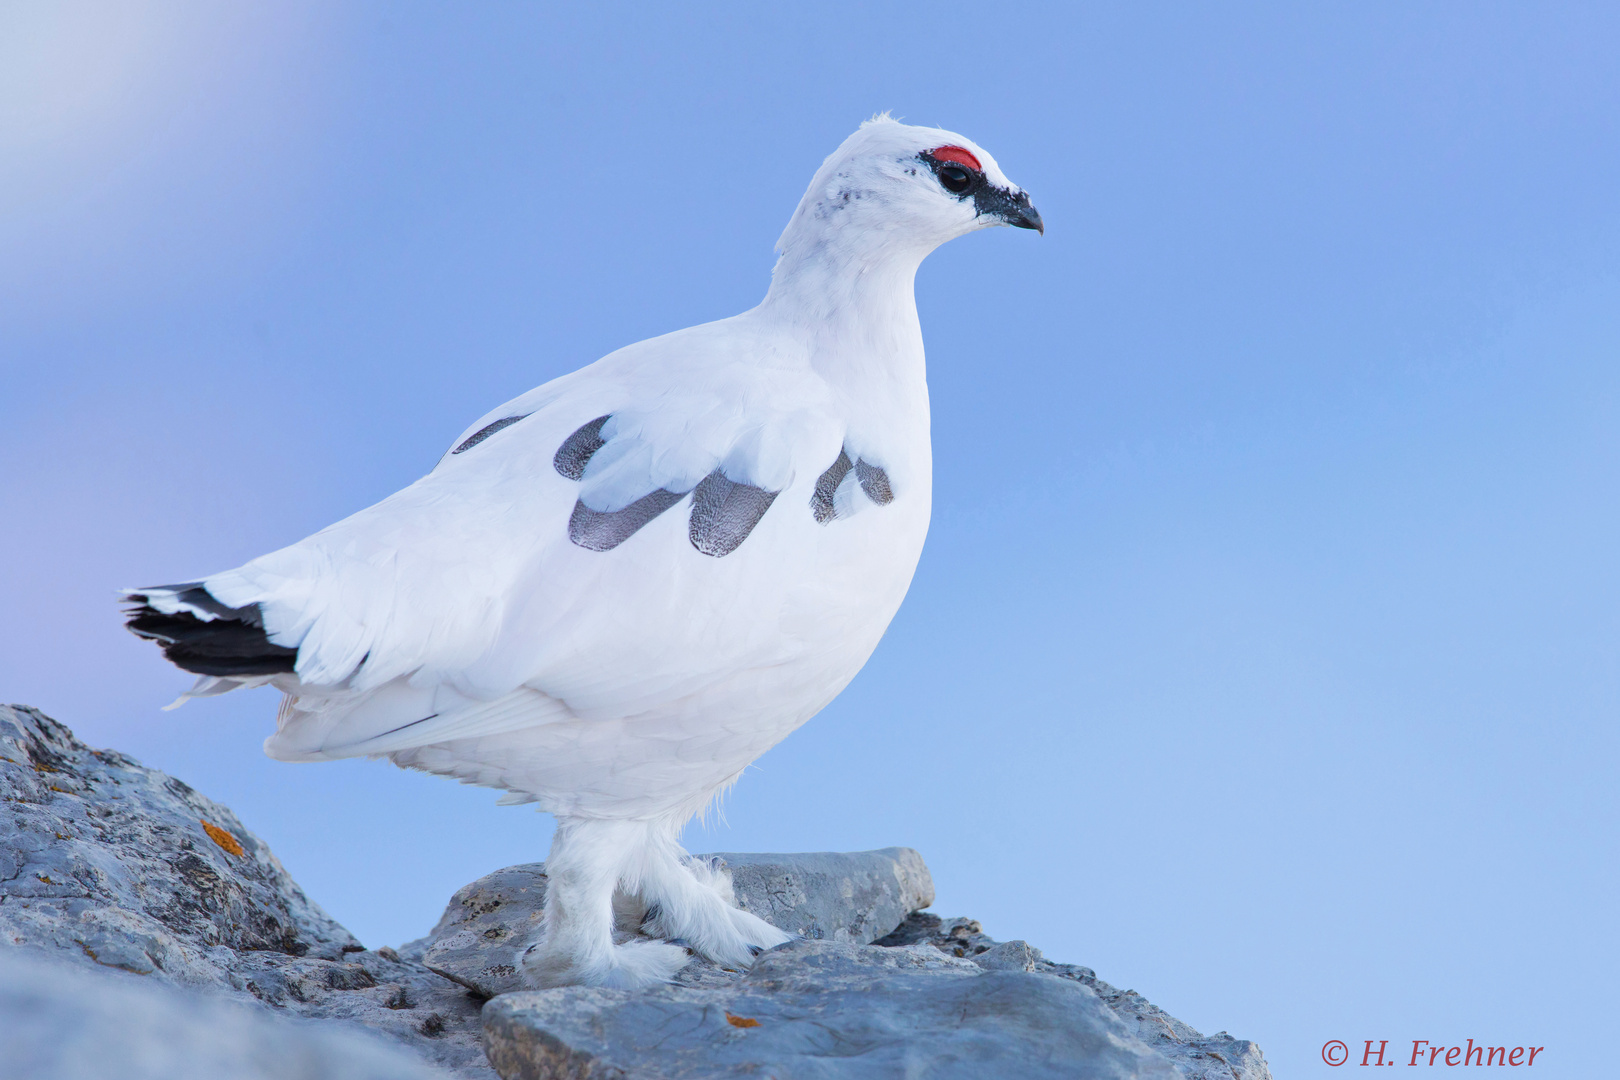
959, 156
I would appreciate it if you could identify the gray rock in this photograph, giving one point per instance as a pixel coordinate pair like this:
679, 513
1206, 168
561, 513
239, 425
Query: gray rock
477, 938
105, 864
1196, 1056
824, 1010
84, 827
58, 1023
854, 897
1010, 956
840, 896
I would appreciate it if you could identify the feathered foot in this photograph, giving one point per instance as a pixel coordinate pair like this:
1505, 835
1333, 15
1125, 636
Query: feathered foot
692, 900
575, 947
660, 891
631, 966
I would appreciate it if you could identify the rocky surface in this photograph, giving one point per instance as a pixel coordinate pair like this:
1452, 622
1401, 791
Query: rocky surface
63, 1024
476, 940
157, 895
852, 897
935, 997
834, 1008
824, 1009
108, 865
1196, 1056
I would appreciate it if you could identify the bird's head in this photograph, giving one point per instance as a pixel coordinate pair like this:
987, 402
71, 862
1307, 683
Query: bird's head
900, 186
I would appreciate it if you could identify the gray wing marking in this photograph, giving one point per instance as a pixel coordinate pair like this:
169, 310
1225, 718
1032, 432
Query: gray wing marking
598, 530
875, 482
821, 500
576, 450
725, 512
486, 431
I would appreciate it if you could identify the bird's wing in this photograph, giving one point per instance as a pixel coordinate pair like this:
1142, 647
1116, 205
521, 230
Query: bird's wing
398, 716
521, 581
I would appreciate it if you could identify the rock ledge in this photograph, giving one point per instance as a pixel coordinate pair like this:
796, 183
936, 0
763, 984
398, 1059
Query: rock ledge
175, 918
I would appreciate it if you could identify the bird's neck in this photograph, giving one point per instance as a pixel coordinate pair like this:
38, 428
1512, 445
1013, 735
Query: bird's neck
853, 304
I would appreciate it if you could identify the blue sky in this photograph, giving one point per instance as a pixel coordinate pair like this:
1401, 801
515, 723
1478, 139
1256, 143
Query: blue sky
1265, 653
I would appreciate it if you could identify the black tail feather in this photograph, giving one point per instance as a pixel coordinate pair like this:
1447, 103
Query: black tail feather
232, 644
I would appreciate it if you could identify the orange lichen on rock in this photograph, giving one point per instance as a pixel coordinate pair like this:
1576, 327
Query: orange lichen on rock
223, 839
741, 1021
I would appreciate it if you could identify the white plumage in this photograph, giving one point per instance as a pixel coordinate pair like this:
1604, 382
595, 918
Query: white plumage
617, 590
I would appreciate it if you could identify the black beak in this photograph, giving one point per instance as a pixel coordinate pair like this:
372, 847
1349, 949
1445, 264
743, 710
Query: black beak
1028, 218
1015, 210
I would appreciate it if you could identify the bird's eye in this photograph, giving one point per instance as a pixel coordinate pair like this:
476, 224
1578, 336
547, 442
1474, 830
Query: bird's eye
955, 179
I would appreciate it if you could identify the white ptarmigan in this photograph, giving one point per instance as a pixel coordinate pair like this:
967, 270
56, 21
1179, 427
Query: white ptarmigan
617, 590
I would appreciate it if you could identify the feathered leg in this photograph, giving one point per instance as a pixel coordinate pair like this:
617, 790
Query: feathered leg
589, 857
691, 900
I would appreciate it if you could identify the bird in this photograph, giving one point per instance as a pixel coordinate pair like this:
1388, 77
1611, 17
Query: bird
617, 590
